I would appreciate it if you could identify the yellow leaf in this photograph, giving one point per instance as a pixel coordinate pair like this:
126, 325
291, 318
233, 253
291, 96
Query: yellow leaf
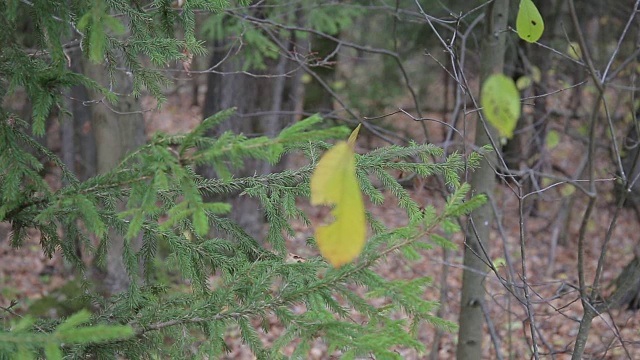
334, 183
529, 23
536, 75
574, 50
500, 101
354, 136
523, 82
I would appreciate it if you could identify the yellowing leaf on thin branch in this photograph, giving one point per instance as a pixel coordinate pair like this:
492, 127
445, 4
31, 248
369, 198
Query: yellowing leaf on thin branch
529, 23
574, 50
500, 101
334, 183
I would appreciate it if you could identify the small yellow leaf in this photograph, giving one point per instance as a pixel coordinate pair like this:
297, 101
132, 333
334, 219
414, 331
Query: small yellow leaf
334, 183
523, 82
553, 139
567, 190
354, 136
536, 75
574, 50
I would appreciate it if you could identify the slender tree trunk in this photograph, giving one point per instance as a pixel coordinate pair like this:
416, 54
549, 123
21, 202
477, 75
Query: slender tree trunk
628, 282
470, 335
76, 132
251, 95
316, 97
67, 139
78, 144
119, 129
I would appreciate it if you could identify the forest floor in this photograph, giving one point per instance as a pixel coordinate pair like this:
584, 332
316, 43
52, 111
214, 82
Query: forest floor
27, 275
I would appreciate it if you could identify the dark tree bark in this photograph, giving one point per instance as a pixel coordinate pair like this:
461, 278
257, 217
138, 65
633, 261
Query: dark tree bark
119, 129
76, 131
631, 167
316, 97
252, 95
628, 282
78, 146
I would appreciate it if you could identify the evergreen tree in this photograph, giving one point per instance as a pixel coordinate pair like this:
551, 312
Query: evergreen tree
165, 206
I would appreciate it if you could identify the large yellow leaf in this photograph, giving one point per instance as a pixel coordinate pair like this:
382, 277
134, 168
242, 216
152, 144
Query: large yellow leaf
334, 183
529, 23
500, 101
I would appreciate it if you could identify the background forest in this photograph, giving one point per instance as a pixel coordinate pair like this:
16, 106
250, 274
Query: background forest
156, 161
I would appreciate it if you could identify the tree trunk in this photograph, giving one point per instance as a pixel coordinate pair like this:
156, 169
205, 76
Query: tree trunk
628, 282
78, 145
631, 167
627, 287
76, 132
251, 95
119, 129
470, 334
316, 97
